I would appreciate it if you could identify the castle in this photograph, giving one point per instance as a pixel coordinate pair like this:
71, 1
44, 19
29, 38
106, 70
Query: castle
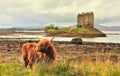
85, 20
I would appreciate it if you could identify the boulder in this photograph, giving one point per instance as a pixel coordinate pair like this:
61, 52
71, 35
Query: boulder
77, 40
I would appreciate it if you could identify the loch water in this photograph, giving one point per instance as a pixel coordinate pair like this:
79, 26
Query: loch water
112, 37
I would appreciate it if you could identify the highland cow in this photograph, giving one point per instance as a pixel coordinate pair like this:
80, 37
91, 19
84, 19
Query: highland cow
32, 52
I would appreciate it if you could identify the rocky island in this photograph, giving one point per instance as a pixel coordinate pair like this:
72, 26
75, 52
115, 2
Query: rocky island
84, 28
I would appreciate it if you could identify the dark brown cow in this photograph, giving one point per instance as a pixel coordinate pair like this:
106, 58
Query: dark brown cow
48, 48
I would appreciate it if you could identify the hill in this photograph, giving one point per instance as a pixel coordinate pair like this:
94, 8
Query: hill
75, 32
20, 29
105, 28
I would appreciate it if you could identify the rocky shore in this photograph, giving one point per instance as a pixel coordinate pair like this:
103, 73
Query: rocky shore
11, 51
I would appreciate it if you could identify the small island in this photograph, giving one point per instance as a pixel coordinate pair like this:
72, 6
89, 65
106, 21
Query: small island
84, 28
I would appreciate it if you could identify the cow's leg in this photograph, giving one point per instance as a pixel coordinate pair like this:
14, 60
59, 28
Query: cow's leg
24, 61
38, 57
30, 59
43, 57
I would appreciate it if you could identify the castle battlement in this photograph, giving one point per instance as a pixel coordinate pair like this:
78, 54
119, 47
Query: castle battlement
85, 20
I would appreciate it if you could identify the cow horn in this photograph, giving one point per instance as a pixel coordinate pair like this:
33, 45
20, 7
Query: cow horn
52, 39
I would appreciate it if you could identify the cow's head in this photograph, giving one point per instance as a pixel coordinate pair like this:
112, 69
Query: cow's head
44, 44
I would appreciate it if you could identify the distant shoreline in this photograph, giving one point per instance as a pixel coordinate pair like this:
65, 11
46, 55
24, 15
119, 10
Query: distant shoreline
23, 32
111, 32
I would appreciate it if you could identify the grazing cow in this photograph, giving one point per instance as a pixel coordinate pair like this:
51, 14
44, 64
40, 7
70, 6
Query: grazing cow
30, 52
48, 48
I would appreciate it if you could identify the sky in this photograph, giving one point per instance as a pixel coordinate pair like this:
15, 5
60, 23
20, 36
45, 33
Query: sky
32, 13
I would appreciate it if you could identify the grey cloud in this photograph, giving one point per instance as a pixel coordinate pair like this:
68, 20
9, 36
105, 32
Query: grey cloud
42, 19
60, 3
107, 20
41, 12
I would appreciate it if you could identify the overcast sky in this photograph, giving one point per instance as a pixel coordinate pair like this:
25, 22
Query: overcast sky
30, 13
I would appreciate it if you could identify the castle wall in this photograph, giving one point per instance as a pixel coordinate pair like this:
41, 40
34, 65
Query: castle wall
85, 20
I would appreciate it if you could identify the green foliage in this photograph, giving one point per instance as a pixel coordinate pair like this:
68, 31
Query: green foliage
51, 31
61, 69
79, 26
12, 69
74, 30
80, 29
65, 29
103, 69
50, 27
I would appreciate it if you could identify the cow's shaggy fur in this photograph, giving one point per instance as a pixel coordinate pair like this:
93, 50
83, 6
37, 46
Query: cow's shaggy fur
30, 54
48, 48
44, 51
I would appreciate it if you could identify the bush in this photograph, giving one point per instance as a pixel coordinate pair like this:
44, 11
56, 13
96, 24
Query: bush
51, 31
50, 27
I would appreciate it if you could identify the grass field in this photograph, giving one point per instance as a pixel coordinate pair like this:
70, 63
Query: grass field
61, 69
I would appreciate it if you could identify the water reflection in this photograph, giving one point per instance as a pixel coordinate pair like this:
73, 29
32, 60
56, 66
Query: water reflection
108, 39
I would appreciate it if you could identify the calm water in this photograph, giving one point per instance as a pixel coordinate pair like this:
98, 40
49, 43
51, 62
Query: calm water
112, 37
108, 39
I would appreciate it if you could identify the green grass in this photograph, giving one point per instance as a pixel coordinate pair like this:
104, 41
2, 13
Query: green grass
80, 29
61, 69
13, 69
80, 32
103, 69
58, 69
66, 30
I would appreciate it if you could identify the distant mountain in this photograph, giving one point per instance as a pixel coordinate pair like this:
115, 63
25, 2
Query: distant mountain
26, 28
100, 27
105, 28
21, 29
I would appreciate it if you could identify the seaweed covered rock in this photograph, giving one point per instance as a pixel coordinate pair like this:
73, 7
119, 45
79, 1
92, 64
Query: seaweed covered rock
77, 40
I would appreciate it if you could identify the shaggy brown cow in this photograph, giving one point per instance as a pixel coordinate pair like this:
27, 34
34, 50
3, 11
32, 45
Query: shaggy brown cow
44, 50
48, 48
30, 52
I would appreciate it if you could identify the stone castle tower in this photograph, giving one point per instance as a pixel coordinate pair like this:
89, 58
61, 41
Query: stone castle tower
85, 20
